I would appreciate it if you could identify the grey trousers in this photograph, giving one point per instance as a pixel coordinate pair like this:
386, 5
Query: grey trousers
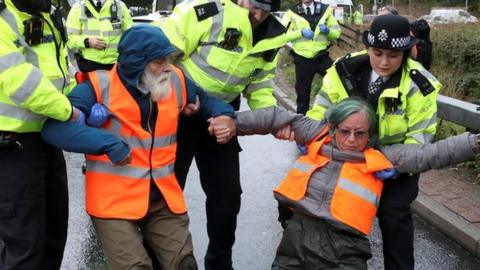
313, 244
166, 233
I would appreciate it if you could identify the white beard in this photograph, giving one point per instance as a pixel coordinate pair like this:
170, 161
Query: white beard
158, 86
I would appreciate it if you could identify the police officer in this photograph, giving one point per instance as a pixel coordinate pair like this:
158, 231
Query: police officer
311, 55
228, 49
404, 95
33, 181
94, 28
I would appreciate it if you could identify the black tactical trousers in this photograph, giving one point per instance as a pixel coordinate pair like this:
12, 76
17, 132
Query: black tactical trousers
220, 179
305, 70
312, 243
395, 220
33, 205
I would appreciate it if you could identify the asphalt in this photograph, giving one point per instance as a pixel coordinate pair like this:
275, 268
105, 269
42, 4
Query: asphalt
449, 204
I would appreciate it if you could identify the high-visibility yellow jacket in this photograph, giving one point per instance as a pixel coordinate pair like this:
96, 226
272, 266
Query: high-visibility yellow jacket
84, 21
199, 30
357, 18
32, 78
123, 192
406, 109
323, 14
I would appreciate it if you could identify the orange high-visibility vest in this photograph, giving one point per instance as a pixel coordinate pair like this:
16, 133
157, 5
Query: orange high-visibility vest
123, 192
357, 192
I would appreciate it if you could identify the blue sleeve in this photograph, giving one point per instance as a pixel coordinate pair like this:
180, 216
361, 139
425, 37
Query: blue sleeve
209, 106
83, 97
80, 138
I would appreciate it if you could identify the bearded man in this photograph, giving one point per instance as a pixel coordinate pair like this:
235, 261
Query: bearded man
132, 193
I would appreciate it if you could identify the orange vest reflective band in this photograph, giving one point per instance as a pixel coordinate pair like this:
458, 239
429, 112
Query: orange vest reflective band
357, 192
123, 192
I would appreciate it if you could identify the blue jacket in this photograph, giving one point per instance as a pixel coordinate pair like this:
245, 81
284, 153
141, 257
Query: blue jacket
138, 46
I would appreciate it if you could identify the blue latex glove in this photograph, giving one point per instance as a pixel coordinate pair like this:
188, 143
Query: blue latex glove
302, 148
98, 115
324, 29
80, 117
307, 33
386, 174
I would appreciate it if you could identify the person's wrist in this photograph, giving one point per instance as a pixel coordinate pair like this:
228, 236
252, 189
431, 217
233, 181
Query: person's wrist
86, 43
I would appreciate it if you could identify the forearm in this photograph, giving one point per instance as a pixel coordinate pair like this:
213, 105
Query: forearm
80, 138
411, 158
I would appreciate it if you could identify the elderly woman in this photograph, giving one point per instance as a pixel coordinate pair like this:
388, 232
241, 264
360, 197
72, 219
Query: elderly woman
403, 94
335, 188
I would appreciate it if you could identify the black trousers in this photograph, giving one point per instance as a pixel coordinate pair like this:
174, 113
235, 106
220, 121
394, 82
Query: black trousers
86, 65
33, 205
305, 70
220, 180
395, 220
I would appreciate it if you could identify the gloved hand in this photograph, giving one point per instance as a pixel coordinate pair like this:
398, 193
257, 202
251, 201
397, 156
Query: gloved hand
324, 29
307, 33
386, 174
98, 115
78, 116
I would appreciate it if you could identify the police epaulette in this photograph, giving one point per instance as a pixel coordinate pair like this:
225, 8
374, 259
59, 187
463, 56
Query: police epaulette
343, 58
206, 11
422, 82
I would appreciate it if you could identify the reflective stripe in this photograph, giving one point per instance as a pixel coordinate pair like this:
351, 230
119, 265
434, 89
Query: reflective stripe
91, 32
112, 45
178, 88
104, 82
321, 38
73, 31
303, 167
10, 60
359, 190
162, 171
217, 25
134, 142
60, 83
422, 138
423, 124
322, 100
257, 86
116, 32
335, 27
18, 113
30, 55
138, 173
217, 74
226, 97
393, 137
28, 86
412, 90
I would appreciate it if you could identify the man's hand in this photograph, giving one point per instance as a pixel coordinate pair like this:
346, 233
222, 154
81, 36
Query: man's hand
307, 33
97, 43
286, 133
124, 161
223, 127
324, 29
191, 108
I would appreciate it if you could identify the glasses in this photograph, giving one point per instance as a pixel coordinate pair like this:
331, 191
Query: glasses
357, 134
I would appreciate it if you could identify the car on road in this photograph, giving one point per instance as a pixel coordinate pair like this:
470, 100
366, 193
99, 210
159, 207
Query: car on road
449, 15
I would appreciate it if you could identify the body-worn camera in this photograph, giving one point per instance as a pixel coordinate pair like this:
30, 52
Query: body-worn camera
231, 38
33, 32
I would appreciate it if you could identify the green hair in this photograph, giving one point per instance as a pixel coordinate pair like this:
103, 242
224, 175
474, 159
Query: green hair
338, 113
